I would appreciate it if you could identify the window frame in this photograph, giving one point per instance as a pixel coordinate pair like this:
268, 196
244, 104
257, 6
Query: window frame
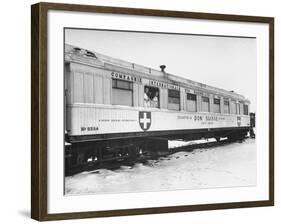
217, 101
193, 98
120, 80
226, 103
202, 101
158, 90
247, 106
174, 97
130, 89
205, 97
191, 94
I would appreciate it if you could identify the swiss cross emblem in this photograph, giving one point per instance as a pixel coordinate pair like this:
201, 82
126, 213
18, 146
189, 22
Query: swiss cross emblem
145, 120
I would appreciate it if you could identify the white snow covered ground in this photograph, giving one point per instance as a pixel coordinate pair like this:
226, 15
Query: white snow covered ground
230, 165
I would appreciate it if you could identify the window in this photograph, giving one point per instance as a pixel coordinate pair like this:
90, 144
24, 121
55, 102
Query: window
121, 84
245, 109
122, 92
191, 102
151, 97
173, 99
205, 104
226, 107
217, 105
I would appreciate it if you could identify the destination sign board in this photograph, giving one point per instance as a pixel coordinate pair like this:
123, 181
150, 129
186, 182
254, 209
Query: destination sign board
122, 76
160, 84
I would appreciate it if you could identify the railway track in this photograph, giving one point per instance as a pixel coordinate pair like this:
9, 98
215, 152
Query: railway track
144, 158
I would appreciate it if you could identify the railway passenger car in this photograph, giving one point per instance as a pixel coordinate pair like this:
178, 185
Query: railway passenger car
116, 109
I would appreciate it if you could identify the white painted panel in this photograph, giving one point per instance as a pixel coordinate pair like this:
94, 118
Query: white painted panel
226, 109
141, 93
107, 90
211, 103
241, 108
122, 97
198, 103
69, 89
232, 107
98, 89
163, 98
183, 99
205, 106
216, 108
222, 105
88, 88
78, 87
135, 94
173, 106
191, 105
119, 119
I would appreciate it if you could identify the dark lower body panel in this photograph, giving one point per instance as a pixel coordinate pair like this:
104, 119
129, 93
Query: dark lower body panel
97, 149
169, 134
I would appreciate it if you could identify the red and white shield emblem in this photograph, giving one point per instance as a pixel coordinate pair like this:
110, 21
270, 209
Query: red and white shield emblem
145, 120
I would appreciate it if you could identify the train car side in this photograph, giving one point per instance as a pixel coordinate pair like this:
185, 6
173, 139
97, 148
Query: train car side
115, 109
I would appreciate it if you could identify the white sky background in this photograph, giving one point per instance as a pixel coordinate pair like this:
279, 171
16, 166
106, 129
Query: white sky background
224, 62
